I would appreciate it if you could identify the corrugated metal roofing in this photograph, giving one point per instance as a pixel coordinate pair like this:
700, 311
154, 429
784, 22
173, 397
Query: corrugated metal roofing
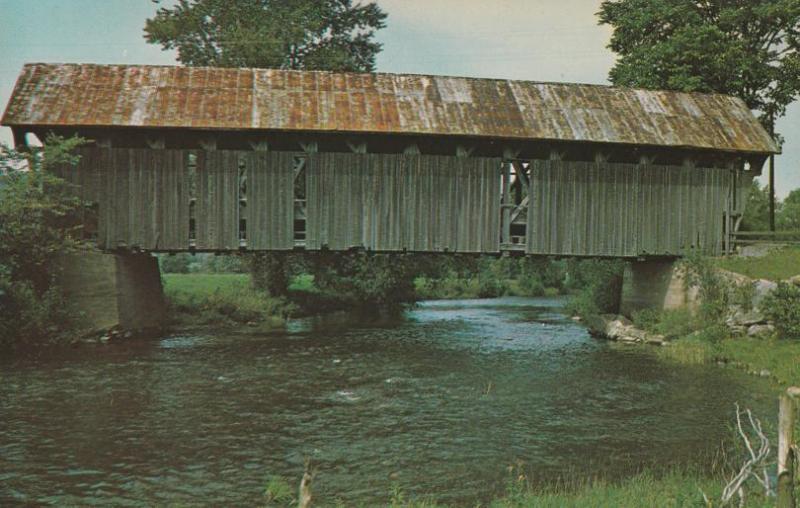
268, 99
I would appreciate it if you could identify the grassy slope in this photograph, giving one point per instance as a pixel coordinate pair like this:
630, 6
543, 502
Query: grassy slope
218, 298
778, 265
780, 357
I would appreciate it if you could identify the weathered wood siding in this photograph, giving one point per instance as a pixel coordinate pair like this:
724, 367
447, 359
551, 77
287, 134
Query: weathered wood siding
144, 201
217, 205
86, 176
389, 202
270, 200
604, 209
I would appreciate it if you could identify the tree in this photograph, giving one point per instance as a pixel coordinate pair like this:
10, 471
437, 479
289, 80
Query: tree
745, 48
756, 217
288, 34
789, 212
38, 219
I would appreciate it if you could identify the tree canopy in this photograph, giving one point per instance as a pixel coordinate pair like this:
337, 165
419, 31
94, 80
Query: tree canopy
289, 34
745, 48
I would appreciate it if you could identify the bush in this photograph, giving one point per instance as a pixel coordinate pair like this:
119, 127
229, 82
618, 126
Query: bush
782, 308
599, 286
38, 219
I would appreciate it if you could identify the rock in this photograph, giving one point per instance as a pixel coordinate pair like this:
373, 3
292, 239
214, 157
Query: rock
765, 373
657, 340
794, 280
577, 319
104, 338
760, 330
762, 288
628, 338
745, 318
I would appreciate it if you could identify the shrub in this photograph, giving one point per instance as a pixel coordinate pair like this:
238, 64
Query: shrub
782, 307
38, 217
599, 286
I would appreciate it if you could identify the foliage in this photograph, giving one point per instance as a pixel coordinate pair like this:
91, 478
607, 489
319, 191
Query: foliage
365, 278
782, 307
598, 286
788, 213
714, 290
331, 35
756, 216
745, 48
269, 271
178, 263
278, 491
221, 298
487, 277
672, 324
37, 221
776, 265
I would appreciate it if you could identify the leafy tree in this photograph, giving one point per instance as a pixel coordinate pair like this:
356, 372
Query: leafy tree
37, 220
288, 34
789, 212
745, 48
756, 216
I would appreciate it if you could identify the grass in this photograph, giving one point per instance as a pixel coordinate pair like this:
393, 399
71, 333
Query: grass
675, 489
221, 298
780, 357
778, 264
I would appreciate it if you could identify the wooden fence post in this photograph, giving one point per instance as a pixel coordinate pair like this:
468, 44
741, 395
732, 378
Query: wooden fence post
786, 460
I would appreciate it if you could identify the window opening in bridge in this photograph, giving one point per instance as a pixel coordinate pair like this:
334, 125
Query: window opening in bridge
191, 174
242, 203
515, 185
300, 164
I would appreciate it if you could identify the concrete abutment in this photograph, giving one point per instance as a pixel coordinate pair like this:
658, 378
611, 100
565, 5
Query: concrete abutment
655, 284
113, 291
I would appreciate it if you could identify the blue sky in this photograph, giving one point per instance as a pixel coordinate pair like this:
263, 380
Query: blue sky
541, 40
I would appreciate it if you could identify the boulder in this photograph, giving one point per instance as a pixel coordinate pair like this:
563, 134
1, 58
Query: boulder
760, 330
794, 280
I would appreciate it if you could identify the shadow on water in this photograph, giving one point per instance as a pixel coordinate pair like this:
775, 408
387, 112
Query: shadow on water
439, 400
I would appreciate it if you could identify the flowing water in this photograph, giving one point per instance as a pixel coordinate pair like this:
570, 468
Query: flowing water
439, 402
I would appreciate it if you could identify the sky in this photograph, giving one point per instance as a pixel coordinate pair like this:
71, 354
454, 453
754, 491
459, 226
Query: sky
538, 40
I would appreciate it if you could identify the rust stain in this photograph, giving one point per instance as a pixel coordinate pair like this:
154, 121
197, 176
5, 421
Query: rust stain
270, 99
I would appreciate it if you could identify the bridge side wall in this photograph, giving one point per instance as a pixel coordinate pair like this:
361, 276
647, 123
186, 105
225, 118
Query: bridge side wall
626, 210
394, 202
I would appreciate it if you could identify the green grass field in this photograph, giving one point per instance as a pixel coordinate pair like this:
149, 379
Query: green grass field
779, 264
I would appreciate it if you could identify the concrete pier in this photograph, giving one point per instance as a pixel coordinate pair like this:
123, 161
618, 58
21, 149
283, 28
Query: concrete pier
114, 291
655, 284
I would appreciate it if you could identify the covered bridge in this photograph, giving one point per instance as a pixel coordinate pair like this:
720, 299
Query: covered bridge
216, 159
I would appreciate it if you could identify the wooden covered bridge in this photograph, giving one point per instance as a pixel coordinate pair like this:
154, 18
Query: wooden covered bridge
212, 159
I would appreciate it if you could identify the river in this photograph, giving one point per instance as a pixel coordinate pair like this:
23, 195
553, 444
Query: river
439, 402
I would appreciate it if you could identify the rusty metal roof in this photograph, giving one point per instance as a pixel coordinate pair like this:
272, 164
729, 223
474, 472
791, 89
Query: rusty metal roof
259, 99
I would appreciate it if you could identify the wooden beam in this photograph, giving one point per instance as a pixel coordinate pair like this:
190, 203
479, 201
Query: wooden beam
464, 151
556, 155
357, 146
104, 142
600, 157
689, 162
510, 153
647, 160
521, 173
505, 232
208, 143
786, 457
412, 149
259, 145
155, 143
309, 146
